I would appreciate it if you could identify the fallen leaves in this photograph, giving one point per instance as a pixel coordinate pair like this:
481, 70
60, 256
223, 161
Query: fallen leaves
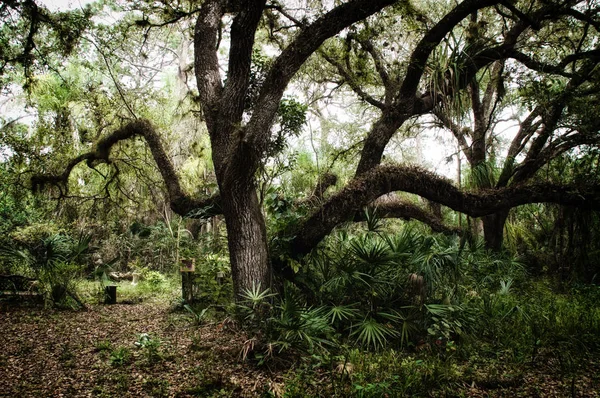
55, 353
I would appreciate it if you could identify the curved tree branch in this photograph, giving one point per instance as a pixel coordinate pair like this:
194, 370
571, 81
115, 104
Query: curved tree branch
181, 203
420, 54
294, 56
384, 179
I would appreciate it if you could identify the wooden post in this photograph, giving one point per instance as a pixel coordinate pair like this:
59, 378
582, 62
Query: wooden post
187, 269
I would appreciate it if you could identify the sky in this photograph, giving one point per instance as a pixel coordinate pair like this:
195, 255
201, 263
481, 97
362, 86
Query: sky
62, 5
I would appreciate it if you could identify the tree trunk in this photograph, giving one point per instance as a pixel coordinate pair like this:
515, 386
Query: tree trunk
493, 229
247, 239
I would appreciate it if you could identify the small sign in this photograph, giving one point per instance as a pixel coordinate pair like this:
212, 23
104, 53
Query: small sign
188, 265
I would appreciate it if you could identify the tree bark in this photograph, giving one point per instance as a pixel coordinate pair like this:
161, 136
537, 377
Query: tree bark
246, 238
493, 229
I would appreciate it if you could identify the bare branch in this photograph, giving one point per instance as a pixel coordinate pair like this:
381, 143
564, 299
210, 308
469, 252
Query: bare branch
350, 80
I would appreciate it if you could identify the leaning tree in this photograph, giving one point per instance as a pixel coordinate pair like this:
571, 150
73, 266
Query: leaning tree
406, 88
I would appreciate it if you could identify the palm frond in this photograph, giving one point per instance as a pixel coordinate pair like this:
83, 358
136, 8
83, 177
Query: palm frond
373, 334
339, 313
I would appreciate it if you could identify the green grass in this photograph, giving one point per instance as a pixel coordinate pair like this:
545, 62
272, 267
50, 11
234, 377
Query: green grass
167, 291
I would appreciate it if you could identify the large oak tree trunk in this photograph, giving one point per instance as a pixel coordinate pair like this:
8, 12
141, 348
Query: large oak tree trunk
247, 238
493, 230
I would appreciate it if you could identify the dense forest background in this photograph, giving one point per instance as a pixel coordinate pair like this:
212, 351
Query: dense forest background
392, 197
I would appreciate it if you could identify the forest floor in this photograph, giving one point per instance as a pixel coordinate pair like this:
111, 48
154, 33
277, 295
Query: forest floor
59, 353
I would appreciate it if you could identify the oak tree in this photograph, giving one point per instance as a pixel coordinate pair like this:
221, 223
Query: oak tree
401, 88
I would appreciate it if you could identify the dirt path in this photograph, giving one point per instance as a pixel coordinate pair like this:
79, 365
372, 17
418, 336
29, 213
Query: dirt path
50, 353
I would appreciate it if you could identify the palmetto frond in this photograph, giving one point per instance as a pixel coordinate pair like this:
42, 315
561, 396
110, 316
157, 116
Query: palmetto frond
373, 334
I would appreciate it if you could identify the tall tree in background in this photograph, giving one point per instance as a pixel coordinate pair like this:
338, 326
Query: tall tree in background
553, 84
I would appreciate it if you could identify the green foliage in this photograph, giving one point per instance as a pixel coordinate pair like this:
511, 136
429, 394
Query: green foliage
198, 315
483, 175
120, 356
285, 324
150, 346
32, 37
155, 279
212, 278
291, 117
283, 214
382, 289
103, 345
50, 255
373, 334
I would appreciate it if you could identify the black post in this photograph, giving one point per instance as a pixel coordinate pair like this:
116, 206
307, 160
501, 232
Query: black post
110, 295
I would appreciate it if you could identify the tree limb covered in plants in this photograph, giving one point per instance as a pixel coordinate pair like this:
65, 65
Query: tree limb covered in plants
180, 202
384, 179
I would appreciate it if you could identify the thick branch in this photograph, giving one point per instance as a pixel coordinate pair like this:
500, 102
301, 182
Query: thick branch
206, 63
180, 202
420, 54
408, 105
383, 179
325, 182
240, 56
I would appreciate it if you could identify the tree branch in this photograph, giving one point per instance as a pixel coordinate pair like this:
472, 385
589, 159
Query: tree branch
349, 79
458, 132
206, 63
558, 69
380, 67
531, 166
294, 56
384, 179
180, 202
432, 38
